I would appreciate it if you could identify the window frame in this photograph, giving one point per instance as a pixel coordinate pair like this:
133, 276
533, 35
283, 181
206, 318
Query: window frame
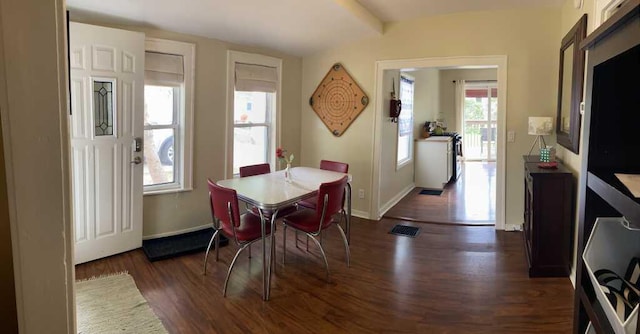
406, 161
183, 137
274, 131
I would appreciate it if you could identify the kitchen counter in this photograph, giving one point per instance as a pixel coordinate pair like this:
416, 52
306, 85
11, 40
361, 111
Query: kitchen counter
435, 138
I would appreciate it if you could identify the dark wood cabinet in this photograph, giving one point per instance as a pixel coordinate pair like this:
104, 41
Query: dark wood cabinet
611, 102
548, 217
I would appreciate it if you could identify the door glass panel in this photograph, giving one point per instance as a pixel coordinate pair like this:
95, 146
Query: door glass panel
103, 107
249, 146
159, 154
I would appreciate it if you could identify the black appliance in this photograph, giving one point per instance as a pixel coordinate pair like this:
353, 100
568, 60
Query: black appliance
457, 153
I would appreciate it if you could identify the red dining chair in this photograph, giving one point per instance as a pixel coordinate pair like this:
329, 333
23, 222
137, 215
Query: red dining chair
252, 170
245, 229
310, 203
334, 166
313, 222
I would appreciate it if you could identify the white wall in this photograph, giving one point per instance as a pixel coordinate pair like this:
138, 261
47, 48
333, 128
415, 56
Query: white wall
33, 106
426, 104
528, 37
448, 91
392, 181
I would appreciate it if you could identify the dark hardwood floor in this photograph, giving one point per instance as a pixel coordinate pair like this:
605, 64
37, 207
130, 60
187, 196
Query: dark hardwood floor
449, 279
471, 200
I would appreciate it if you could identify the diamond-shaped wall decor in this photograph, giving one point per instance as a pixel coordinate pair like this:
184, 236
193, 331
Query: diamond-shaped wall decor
338, 100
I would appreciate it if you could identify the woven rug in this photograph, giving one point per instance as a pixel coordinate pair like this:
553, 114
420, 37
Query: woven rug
113, 304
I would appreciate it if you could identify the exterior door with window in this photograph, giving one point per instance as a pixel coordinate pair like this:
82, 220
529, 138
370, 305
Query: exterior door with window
107, 78
480, 121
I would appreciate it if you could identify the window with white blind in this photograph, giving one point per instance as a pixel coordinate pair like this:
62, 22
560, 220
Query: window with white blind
168, 116
405, 121
254, 91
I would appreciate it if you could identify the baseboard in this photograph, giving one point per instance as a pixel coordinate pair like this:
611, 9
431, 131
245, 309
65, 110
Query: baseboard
394, 200
172, 233
360, 214
513, 227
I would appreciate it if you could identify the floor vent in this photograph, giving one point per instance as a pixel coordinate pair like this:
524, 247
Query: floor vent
404, 230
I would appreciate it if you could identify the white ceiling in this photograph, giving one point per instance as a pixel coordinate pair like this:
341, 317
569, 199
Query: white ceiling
398, 10
297, 27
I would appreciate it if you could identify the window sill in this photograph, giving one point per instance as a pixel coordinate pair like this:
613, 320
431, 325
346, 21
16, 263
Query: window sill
165, 191
404, 163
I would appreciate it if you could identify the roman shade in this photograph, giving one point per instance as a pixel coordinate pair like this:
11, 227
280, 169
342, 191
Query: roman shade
255, 78
163, 67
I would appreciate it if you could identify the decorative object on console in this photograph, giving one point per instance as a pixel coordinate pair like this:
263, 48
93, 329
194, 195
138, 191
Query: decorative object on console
338, 100
540, 127
548, 154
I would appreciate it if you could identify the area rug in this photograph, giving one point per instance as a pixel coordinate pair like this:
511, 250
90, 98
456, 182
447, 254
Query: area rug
113, 304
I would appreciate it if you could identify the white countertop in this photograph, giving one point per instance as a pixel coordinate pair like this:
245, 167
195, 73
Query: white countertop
270, 190
434, 138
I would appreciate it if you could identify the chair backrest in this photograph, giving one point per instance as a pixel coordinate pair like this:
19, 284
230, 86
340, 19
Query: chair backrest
220, 197
335, 166
333, 191
254, 170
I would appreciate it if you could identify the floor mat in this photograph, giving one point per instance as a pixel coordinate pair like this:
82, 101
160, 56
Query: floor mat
177, 245
404, 230
430, 192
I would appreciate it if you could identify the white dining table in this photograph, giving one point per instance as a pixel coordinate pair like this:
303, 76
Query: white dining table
271, 192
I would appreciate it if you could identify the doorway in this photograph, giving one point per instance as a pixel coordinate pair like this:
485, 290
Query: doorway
497, 62
479, 117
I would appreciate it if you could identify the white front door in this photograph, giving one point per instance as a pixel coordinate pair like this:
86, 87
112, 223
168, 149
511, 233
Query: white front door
107, 92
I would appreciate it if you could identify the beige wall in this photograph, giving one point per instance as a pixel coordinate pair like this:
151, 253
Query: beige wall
571, 15
528, 37
33, 106
448, 91
178, 211
393, 180
426, 102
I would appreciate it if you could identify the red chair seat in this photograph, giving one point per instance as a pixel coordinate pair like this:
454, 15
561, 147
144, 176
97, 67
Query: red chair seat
249, 229
309, 203
305, 220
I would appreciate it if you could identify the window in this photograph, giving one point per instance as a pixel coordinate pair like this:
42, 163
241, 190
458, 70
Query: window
405, 121
168, 115
254, 85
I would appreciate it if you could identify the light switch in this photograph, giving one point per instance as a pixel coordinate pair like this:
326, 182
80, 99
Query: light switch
511, 136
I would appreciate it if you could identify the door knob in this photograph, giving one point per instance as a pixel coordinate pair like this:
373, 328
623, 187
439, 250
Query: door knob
137, 160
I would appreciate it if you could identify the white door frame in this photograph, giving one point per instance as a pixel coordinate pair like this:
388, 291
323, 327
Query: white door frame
442, 62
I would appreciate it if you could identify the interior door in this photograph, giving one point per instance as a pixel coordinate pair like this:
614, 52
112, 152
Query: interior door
107, 101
